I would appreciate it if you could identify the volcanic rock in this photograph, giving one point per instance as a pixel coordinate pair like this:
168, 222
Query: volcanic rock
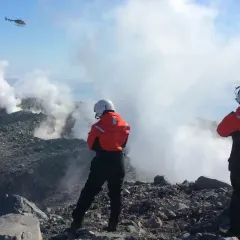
17, 204
160, 180
19, 227
208, 183
154, 222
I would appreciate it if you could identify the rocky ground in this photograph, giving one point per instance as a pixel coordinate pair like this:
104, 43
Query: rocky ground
29, 164
157, 210
50, 173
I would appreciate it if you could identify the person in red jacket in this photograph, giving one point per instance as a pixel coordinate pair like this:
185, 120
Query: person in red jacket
107, 138
230, 127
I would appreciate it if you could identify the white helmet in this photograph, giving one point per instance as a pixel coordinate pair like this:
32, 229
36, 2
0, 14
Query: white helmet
101, 106
237, 93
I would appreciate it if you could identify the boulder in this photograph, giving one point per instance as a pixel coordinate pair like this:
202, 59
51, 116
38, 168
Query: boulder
19, 227
209, 183
19, 205
160, 180
154, 222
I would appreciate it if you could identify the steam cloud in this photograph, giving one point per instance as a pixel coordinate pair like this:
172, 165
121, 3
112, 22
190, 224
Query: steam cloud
56, 99
163, 64
8, 100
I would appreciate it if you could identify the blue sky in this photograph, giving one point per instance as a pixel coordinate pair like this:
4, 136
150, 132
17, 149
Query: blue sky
39, 45
44, 43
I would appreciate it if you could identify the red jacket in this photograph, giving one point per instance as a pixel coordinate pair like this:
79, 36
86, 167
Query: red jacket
110, 133
230, 124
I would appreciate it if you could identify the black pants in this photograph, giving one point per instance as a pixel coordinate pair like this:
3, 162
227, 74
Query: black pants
235, 204
106, 166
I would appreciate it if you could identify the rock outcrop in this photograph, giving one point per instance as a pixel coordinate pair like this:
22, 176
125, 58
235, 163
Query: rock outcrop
19, 227
208, 183
19, 205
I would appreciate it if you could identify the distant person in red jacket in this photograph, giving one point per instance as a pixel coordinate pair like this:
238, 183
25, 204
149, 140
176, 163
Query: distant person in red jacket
230, 127
107, 138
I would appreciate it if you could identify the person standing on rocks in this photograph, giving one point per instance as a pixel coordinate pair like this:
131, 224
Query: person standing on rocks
230, 127
107, 138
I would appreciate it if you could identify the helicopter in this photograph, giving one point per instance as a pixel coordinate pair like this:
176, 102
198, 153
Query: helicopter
18, 22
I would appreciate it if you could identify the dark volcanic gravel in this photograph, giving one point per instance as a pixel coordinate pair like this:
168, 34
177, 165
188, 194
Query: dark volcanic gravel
155, 212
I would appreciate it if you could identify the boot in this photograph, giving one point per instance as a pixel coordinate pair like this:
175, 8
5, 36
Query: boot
232, 233
112, 225
110, 228
74, 227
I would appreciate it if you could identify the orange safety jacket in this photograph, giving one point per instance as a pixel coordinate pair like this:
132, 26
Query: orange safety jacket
230, 124
230, 127
110, 133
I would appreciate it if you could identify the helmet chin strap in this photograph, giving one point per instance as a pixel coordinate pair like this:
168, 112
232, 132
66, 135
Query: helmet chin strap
97, 116
237, 92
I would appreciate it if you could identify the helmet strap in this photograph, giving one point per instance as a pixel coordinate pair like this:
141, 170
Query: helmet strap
97, 116
237, 92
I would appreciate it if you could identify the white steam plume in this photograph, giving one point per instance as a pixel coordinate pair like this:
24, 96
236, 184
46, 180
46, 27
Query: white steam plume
84, 120
7, 93
164, 63
56, 100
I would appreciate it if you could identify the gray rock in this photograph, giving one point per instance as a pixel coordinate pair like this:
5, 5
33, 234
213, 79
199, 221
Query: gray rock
219, 204
19, 227
186, 235
162, 216
126, 192
154, 222
208, 183
181, 206
160, 180
132, 229
139, 182
170, 214
18, 204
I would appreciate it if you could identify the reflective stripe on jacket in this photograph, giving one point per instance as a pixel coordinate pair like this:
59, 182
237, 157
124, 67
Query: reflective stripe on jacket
110, 133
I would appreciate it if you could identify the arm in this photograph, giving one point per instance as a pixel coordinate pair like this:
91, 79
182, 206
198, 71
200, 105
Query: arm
127, 131
92, 135
228, 125
125, 143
